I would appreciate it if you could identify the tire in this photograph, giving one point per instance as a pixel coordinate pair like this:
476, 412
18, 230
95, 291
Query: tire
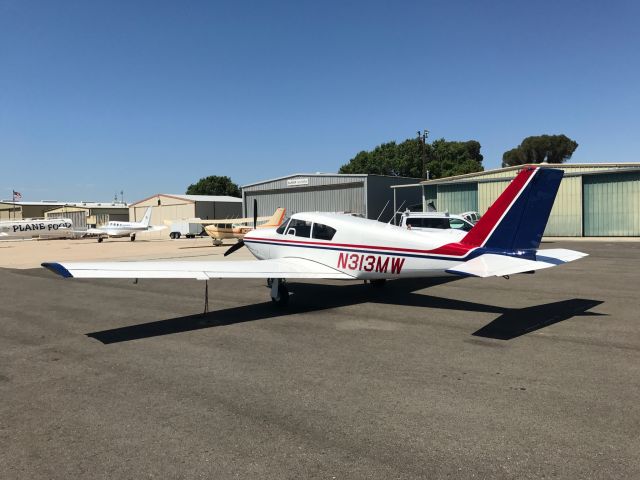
172, 235
100, 239
133, 238
178, 234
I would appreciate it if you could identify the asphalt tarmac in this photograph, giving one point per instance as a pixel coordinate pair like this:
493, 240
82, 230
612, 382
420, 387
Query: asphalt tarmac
533, 377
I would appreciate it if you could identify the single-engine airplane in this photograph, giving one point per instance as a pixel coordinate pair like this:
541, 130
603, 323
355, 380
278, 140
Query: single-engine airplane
239, 227
504, 242
125, 229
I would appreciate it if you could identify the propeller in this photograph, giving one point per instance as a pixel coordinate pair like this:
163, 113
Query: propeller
240, 243
234, 247
255, 213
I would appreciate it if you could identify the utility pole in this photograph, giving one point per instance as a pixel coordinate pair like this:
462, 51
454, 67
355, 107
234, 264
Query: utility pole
422, 138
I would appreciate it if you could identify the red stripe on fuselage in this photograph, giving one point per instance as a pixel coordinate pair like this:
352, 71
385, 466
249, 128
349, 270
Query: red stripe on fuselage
479, 233
452, 249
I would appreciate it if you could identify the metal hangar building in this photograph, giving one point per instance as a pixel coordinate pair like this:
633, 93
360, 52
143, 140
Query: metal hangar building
594, 200
363, 194
169, 207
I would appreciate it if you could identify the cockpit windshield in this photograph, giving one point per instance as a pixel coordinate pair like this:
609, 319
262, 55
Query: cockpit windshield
283, 226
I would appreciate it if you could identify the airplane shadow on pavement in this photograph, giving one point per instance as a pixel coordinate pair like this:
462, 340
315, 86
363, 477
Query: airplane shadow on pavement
511, 323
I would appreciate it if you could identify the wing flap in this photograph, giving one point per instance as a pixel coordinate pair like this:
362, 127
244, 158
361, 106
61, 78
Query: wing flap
492, 265
275, 268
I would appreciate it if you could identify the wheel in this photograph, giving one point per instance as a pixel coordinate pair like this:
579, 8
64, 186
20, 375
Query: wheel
172, 235
283, 294
379, 283
133, 238
178, 234
217, 242
100, 239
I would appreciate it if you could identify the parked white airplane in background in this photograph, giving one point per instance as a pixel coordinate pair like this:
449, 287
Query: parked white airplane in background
36, 227
125, 229
505, 241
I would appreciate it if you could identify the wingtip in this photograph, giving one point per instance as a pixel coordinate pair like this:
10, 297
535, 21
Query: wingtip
58, 269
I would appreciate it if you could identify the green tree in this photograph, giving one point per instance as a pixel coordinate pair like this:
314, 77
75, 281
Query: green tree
537, 149
443, 159
214, 185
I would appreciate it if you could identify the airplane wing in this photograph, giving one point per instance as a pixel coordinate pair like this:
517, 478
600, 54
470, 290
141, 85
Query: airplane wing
490, 265
275, 268
224, 221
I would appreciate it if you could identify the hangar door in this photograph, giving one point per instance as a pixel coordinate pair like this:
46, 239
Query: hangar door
79, 218
458, 198
611, 204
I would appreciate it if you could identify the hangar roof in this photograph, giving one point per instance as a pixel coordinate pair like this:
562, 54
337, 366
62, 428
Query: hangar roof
194, 198
508, 172
318, 174
55, 203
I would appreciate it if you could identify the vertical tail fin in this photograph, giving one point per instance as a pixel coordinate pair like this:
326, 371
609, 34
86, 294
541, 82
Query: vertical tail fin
275, 220
517, 219
147, 217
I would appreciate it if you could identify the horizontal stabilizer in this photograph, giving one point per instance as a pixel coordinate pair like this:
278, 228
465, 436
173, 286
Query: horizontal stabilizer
275, 268
492, 265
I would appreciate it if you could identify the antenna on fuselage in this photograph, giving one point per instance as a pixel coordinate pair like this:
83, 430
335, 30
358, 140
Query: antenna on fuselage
396, 212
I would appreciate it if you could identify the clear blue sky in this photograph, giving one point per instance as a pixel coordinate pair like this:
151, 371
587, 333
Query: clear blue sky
149, 96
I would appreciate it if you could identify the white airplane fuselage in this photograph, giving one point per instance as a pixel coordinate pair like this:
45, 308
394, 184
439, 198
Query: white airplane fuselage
119, 229
36, 227
365, 249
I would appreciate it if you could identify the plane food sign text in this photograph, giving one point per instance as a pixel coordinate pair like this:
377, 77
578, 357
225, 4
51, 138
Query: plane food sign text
35, 227
295, 182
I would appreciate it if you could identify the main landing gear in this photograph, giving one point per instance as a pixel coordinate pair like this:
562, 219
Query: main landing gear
279, 291
133, 237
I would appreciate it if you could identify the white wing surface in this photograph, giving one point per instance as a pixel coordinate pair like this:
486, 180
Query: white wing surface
490, 265
275, 268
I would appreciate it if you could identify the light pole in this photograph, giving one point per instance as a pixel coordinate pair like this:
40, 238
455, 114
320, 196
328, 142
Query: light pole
422, 138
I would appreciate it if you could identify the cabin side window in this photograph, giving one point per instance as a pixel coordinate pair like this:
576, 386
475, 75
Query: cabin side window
299, 228
283, 226
323, 232
460, 224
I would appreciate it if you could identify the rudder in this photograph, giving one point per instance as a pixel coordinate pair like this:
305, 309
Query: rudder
517, 219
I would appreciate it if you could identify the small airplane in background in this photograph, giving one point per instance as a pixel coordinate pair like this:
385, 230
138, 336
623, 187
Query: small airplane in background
115, 229
504, 242
36, 228
238, 227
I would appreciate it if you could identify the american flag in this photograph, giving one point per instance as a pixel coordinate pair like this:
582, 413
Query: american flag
17, 196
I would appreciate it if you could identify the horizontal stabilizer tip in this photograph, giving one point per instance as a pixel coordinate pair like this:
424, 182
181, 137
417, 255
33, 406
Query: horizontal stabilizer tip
57, 269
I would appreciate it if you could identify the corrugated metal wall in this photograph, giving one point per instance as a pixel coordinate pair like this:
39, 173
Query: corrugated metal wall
488, 192
612, 204
379, 192
458, 198
317, 180
207, 210
79, 218
588, 203
430, 196
328, 198
566, 215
